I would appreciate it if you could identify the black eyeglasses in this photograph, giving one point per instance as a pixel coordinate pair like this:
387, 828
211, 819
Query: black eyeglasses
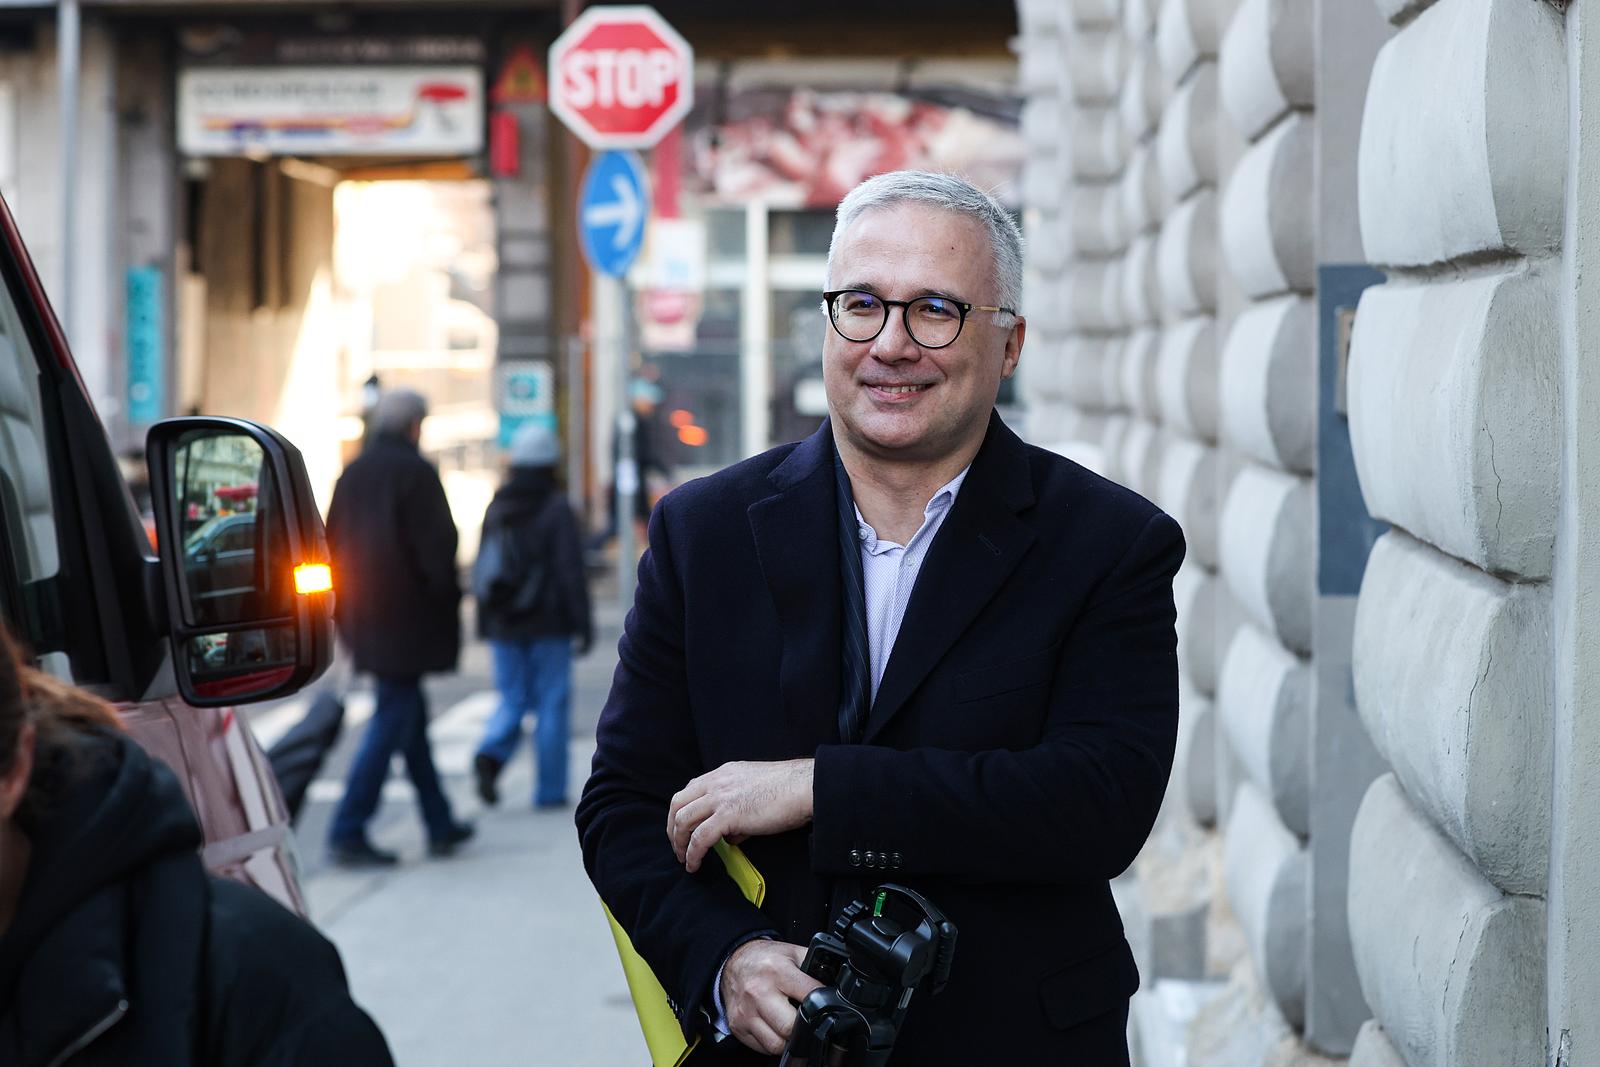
932, 321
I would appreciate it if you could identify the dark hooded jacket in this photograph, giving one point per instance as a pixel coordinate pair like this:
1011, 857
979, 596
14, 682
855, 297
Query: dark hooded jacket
545, 536
394, 563
125, 951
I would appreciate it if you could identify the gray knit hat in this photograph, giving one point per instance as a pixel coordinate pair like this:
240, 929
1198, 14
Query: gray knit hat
534, 445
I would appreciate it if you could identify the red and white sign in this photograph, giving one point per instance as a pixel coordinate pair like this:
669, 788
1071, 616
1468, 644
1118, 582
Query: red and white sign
620, 77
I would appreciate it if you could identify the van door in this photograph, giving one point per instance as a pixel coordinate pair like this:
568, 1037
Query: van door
80, 587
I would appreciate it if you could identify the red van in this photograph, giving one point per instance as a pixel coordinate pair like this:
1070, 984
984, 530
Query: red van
175, 639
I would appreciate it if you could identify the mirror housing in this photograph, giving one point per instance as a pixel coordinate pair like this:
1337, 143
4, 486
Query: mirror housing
238, 530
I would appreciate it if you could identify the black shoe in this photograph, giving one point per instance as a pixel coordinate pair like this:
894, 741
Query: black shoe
487, 770
459, 834
359, 855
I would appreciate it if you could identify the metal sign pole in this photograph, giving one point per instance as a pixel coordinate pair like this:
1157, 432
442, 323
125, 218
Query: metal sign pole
69, 55
629, 484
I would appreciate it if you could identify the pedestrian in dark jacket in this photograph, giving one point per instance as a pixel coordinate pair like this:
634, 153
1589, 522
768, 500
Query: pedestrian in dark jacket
116, 947
398, 610
533, 603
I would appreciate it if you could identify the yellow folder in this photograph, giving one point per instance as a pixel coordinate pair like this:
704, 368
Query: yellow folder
662, 1033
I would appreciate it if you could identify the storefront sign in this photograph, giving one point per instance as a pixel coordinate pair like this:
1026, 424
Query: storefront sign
142, 339
524, 392
331, 110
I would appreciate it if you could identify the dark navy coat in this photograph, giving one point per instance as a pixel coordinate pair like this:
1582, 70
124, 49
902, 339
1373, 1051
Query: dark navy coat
1013, 762
394, 563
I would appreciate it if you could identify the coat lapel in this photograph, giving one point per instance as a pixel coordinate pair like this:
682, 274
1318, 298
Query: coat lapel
980, 543
796, 540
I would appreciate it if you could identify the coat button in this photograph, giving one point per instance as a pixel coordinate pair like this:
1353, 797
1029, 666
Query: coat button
855, 857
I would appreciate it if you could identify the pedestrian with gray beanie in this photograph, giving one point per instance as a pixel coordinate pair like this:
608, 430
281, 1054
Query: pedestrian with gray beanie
533, 608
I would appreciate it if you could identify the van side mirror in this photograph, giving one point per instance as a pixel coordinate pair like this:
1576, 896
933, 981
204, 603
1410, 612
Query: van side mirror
244, 560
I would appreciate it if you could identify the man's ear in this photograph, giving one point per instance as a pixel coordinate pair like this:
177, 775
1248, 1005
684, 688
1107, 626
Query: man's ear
14, 783
1013, 352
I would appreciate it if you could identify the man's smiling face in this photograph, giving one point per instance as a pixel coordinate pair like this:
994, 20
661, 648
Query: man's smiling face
890, 398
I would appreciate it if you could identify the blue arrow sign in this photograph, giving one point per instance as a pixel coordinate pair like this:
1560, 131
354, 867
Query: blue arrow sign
612, 207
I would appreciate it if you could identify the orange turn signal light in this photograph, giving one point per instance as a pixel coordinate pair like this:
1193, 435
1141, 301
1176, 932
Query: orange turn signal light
313, 578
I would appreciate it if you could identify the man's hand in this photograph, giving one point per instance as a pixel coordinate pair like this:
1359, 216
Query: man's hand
736, 801
761, 985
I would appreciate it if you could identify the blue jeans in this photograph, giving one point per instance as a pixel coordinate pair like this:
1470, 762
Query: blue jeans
399, 723
533, 675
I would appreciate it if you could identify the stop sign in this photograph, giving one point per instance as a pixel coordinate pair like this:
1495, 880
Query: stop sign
620, 77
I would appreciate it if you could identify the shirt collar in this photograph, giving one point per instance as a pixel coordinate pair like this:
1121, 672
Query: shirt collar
939, 503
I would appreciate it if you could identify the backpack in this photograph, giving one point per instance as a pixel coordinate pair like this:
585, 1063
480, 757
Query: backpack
502, 581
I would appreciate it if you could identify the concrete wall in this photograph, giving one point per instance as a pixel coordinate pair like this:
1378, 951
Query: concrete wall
1455, 416
1206, 182
1172, 339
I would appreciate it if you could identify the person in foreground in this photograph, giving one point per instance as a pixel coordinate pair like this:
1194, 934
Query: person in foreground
116, 947
910, 648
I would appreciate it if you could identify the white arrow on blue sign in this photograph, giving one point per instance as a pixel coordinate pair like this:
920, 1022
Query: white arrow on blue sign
612, 207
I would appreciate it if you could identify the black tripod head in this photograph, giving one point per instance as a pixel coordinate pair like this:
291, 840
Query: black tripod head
880, 950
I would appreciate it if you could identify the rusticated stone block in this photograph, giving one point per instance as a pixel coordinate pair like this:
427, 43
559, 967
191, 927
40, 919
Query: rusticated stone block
1141, 190
1267, 218
1186, 377
1187, 143
1093, 13
1266, 552
1264, 708
1186, 32
1141, 283
1094, 286
1085, 367
1139, 19
1267, 871
1453, 969
1141, 458
1455, 413
1487, 179
1373, 1048
1268, 63
1097, 220
1138, 368
1194, 592
1044, 187
1265, 386
1111, 444
1095, 63
1143, 94
1187, 490
1452, 682
1041, 125
1186, 257
1111, 377
1198, 759
1097, 143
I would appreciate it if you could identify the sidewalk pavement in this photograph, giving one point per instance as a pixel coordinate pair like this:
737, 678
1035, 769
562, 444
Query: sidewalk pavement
499, 955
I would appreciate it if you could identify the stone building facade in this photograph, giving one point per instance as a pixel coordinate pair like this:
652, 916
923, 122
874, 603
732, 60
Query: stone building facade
1308, 274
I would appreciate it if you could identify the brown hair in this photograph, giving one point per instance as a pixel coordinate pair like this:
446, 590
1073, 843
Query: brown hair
61, 714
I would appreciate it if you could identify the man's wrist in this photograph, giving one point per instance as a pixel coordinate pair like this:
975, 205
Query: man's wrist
719, 1016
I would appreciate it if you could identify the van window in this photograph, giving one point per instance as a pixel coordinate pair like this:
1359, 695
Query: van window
25, 494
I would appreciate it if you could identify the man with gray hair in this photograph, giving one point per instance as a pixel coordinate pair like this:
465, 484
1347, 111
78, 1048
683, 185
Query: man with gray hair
908, 649
393, 544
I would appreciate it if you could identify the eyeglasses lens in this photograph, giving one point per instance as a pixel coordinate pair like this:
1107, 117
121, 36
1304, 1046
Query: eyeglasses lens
934, 321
